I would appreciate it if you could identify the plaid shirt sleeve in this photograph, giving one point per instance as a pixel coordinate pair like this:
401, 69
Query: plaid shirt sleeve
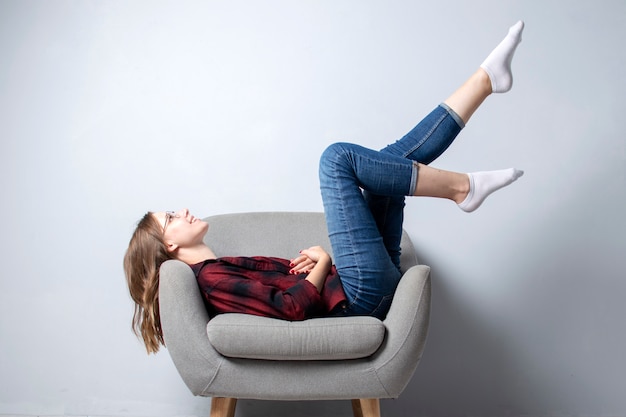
258, 285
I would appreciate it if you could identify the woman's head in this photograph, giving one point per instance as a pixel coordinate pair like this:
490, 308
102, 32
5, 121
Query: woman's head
158, 237
145, 254
181, 231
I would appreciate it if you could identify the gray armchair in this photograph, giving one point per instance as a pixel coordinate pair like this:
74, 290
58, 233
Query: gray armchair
236, 356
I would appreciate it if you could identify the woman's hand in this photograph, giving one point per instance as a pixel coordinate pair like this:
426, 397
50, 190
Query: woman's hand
316, 262
308, 259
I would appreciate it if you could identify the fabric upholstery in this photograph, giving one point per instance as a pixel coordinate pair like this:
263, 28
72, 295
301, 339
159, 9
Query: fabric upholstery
245, 336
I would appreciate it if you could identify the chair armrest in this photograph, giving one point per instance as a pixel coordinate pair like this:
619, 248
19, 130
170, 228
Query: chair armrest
183, 321
407, 329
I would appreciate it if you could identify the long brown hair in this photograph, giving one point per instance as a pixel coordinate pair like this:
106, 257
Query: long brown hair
144, 256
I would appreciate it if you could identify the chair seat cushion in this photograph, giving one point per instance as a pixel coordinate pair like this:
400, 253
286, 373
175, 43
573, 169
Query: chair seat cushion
334, 338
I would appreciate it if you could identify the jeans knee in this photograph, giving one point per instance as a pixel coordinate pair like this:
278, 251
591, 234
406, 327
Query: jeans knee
333, 151
333, 156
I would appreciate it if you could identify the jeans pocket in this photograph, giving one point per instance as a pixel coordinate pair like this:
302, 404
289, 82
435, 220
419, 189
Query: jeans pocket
383, 307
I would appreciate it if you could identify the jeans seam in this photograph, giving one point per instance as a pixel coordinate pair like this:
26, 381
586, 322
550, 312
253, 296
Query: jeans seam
426, 136
343, 209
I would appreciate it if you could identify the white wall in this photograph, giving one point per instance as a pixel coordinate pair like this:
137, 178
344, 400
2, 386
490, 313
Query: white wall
109, 109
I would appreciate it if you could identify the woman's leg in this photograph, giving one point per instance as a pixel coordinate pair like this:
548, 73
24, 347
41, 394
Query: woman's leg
365, 227
424, 143
493, 76
368, 274
469, 96
436, 132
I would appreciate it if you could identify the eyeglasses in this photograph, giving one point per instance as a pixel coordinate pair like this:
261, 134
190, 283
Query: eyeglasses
169, 216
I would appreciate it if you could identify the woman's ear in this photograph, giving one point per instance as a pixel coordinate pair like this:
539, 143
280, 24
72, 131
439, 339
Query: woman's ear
171, 247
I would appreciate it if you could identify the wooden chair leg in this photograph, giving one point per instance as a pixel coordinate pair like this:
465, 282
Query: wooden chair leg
223, 407
366, 407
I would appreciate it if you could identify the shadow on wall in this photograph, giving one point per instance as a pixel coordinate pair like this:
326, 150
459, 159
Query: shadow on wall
547, 352
463, 364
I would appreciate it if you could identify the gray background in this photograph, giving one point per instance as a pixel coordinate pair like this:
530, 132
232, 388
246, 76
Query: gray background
109, 109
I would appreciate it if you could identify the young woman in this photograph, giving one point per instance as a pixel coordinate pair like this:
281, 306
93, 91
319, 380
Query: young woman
363, 193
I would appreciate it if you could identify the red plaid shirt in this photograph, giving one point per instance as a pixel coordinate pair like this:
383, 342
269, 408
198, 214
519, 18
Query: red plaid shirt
262, 286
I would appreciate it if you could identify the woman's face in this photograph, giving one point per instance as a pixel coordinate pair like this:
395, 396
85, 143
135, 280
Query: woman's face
181, 229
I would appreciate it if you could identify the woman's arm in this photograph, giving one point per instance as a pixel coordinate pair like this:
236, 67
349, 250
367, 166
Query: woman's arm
316, 262
260, 286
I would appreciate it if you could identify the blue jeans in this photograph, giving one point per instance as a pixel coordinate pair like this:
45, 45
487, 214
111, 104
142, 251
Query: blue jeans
363, 191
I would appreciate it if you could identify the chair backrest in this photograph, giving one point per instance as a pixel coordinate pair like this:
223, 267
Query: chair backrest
279, 234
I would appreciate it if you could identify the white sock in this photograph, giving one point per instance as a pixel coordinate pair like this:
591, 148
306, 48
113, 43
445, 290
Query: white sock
498, 63
486, 182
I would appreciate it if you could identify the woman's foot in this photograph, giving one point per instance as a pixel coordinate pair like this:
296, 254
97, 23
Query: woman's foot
498, 63
482, 184
467, 190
